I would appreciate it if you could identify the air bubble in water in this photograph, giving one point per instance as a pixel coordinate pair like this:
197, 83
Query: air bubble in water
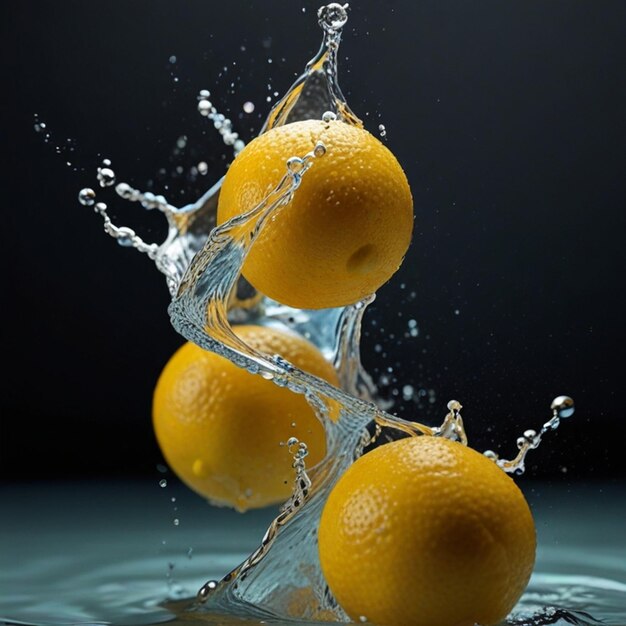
87, 196
248, 107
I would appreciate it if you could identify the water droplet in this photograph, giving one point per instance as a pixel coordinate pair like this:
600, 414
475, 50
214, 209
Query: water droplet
203, 168
454, 406
176, 521
319, 150
163, 483
563, 406
295, 165
490, 454
87, 196
382, 130
248, 107
100, 207
207, 589
106, 176
204, 94
204, 107
329, 116
125, 236
124, 190
333, 16
172, 59
105, 162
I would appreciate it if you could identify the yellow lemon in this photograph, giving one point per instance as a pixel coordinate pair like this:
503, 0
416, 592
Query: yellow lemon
426, 532
220, 427
349, 224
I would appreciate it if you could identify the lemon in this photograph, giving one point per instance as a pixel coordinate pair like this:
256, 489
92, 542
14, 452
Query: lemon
220, 427
349, 224
426, 532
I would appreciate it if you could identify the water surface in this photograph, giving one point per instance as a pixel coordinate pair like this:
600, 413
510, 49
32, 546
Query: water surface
110, 553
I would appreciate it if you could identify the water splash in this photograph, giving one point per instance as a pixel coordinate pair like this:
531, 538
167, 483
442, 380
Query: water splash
202, 265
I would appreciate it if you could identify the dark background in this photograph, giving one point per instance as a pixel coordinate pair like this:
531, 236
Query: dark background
509, 118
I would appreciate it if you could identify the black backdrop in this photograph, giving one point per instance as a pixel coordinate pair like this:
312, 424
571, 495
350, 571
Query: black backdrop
508, 118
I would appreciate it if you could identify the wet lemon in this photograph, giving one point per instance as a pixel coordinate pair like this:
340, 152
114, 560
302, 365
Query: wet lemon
220, 427
349, 224
426, 532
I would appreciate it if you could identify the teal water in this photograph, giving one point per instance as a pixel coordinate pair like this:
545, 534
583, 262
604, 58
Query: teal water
111, 553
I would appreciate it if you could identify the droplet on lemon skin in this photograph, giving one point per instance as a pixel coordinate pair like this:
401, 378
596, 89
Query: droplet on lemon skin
220, 428
426, 532
348, 226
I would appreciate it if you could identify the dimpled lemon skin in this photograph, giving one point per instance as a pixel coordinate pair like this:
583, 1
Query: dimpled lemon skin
426, 532
349, 224
220, 427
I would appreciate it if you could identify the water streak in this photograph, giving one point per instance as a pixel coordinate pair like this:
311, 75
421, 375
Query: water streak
202, 265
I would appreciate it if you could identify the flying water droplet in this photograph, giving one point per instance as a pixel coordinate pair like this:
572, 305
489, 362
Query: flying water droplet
333, 16
106, 176
124, 190
87, 196
563, 407
204, 107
